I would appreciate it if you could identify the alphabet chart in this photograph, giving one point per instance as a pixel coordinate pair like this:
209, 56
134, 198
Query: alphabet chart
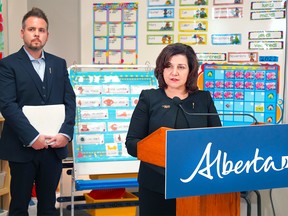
250, 89
105, 102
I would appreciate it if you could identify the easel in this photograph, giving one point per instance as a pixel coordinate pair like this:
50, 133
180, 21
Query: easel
104, 167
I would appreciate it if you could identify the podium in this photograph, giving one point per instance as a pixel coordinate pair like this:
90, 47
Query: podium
152, 150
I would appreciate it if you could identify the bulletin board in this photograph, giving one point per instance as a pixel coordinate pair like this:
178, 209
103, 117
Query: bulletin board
222, 32
244, 89
105, 100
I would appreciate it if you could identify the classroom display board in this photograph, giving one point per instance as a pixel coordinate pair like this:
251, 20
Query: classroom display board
115, 33
222, 32
247, 89
105, 102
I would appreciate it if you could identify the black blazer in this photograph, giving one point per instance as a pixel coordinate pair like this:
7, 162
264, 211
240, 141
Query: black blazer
155, 110
20, 85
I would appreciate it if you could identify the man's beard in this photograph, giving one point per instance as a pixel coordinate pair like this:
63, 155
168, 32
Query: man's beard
35, 48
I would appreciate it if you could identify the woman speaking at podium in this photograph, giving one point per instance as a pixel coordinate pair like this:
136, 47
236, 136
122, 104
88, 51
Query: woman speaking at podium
171, 105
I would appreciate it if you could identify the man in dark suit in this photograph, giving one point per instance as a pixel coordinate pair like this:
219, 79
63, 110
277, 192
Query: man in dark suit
34, 77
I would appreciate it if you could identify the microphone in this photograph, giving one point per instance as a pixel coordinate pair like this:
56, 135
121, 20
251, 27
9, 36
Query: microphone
178, 102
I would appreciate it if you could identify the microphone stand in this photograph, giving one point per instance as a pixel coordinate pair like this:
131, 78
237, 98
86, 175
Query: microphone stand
223, 114
178, 102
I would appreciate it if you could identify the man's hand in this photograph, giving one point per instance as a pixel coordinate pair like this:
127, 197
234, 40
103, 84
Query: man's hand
58, 141
40, 142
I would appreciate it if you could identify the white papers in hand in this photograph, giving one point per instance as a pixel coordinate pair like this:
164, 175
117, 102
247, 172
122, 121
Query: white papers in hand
47, 120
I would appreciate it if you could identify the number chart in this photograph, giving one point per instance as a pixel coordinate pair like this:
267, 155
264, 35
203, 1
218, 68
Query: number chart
243, 89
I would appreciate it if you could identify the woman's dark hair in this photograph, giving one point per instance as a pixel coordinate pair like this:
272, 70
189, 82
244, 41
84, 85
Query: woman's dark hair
163, 61
35, 12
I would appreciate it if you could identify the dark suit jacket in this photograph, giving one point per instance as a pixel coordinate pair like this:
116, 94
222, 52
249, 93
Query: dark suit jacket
20, 85
155, 110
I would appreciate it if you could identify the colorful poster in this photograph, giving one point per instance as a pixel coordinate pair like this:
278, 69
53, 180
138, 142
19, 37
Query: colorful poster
227, 2
115, 33
244, 89
231, 12
161, 13
193, 39
160, 3
226, 39
104, 105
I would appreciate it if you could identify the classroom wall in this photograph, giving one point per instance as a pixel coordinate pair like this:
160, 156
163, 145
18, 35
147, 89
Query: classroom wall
64, 26
149, 53
65, 41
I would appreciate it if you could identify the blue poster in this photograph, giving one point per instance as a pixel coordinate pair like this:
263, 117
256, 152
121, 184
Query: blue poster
248, 89
105, 102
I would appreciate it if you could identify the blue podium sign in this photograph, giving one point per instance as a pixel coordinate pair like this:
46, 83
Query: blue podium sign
226, 159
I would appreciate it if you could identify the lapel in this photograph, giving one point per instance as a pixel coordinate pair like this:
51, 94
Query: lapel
29, 69
49, 74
